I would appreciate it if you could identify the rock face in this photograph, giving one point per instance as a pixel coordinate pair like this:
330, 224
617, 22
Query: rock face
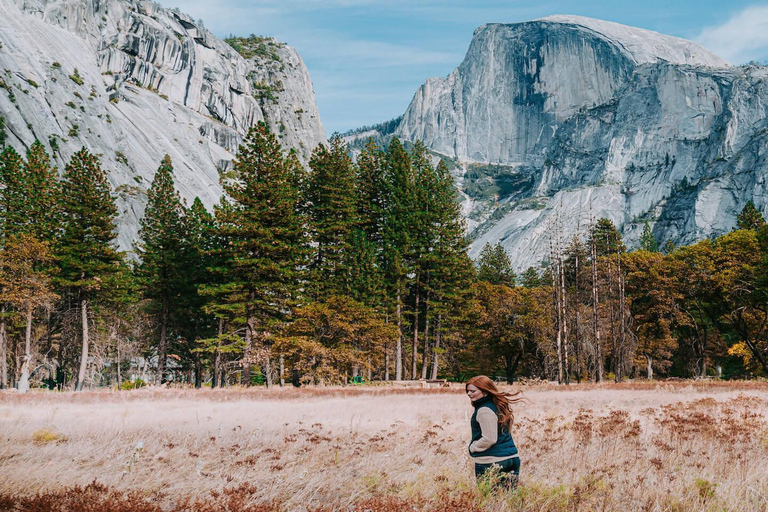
556, 122
133, 81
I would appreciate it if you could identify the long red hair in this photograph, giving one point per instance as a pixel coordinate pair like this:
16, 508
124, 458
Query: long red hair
501, 399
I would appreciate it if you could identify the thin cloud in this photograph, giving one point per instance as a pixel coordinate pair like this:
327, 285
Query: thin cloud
742, 38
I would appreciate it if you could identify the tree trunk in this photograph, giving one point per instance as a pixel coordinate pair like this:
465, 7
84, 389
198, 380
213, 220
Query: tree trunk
3, 350
438, 335
415, 346
282, 370
564, 309
612, 319
622, 325
559, 323
511, 366
576, 338
386, 361
216, 380
425, 357
268, 371
649, 360
703, 355
117, 363
399, 348
198, 371
24, 380
250, 328
595, 320
163, 346
84, 351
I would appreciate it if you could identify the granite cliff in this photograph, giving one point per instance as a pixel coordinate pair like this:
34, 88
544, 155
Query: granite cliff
556, 122
133, 81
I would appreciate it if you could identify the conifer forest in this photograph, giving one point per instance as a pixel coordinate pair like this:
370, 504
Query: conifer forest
347, 271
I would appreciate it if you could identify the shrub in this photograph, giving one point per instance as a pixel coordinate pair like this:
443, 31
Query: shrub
120, 157
135, 384
75, 77
45, 436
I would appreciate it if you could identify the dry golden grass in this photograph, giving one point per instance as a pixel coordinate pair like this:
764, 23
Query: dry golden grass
640, 446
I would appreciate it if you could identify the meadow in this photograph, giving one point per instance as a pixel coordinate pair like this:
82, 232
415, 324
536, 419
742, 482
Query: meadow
646, 446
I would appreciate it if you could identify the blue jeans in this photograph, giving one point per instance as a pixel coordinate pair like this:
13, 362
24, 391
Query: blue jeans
508, 474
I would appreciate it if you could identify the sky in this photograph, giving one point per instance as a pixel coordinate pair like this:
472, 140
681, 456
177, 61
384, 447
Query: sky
367, 57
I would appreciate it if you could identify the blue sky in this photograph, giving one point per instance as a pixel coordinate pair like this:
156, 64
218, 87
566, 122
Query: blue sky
368, 57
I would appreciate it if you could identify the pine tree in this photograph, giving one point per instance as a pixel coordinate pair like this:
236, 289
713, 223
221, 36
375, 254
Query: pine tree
88, 258
423, 233
29, 210
14, 201
647, 240
450, 268
367, 279
222, 295
607, 238
198, 256
3, 133
494, 266
265, 233
371, 193
400, 187
333, 218
44, 191
750, 218
160, 250
531, 278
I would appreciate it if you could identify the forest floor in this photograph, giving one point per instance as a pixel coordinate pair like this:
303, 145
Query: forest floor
650, 446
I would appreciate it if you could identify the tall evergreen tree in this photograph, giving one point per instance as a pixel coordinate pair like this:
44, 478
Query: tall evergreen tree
401, 201
607, 238
3, 133
199, 253
13, 201
222, 295
333, 218
43, 189
423, 231
494, 266
161, 269
266, 238
368, 239
531, 278
88, 258
647, 240
450, 270
750, 218
371, 190
29, 209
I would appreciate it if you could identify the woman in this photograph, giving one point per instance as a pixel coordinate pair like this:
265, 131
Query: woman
492, 444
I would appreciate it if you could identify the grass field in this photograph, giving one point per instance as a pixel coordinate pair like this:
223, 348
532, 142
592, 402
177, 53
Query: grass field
646, 446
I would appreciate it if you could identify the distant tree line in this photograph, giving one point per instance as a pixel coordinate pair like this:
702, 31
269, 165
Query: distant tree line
348, 270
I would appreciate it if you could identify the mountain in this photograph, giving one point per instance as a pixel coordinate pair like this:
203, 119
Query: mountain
556, 122
132, 81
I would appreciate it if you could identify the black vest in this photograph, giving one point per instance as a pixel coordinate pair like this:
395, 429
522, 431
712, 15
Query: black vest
505, 446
